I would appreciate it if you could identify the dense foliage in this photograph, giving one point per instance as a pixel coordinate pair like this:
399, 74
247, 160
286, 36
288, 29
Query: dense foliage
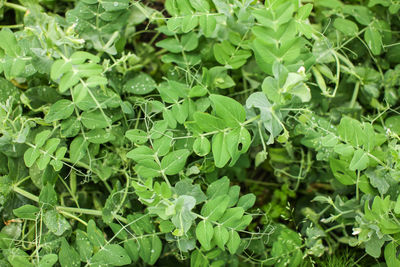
199, 132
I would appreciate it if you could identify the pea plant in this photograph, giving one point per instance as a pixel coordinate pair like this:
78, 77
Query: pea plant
201, 133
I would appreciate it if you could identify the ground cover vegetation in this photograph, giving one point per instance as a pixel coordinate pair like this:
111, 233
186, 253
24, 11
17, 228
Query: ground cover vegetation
199, 133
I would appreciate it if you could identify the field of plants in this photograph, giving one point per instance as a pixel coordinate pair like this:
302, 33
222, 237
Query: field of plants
199, 133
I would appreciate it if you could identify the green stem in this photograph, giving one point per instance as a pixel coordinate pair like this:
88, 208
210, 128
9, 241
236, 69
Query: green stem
67, 214
11, 26
66, 209
355, 94
25, 193
15, 6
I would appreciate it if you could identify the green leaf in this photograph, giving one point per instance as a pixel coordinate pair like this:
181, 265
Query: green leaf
171, 44
30, 156
141, 153
83, 245
79, 57
229, 56
247, 201
218, 188
141, 84
60, 67
201, 146
56, 222
185, 187
68, 256
231, 217
360, 161
221, 236
60, 110
112, 254
208, 24
189, 42
198, 91
77, 149
9, 43
184, 217
220, 149
42, 137
346, 26
132, 248
95, 119
397, 206
233, 242
99, 136
231, 111
373, 38
208, 123
49, 148
393, 123
95, 236
48, 260
341, 172
27, 212
204, 233
350, 130
390, 252
150, 249
215, 208
137, 136
48, 196
174, 162
198, 259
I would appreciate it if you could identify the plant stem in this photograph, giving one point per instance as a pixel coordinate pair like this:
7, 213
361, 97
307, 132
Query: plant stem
355, 94
11, 26
25, 193
66, 209
15, 6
